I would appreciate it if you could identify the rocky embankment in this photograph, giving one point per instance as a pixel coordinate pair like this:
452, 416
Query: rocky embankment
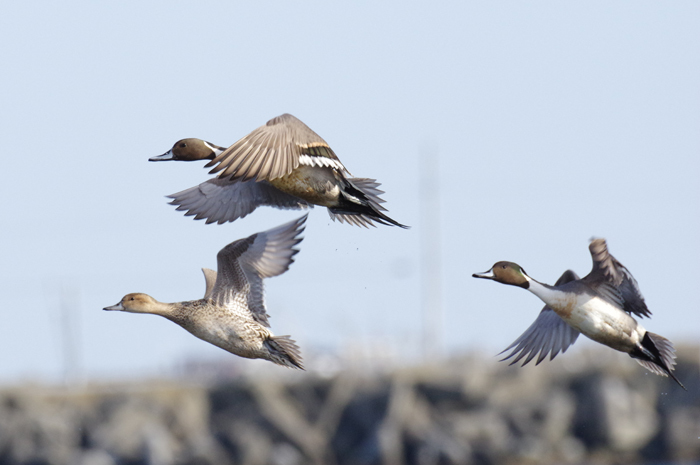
595, 408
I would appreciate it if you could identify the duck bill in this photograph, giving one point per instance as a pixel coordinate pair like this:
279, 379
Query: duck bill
485, 275
119, 306
165, 157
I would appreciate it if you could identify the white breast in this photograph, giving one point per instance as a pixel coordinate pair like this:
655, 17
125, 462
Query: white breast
593, 317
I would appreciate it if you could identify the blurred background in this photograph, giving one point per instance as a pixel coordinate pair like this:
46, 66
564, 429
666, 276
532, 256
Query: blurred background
499, 131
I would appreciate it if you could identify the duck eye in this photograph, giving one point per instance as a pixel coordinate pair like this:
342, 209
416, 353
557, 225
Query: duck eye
183, 145
503, 266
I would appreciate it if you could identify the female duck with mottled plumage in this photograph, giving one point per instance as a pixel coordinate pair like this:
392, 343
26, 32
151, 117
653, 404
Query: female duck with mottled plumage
600, 306
232, 314
283, 164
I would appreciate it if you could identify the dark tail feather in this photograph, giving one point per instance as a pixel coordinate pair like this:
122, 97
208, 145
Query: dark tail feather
361, 204
362, 217
284, 351
657, 355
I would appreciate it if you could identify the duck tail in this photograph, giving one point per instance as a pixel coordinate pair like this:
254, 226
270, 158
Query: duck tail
284, 351
360, 204
656, 354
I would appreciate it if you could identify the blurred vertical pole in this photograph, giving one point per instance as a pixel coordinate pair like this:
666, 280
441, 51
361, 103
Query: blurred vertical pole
431, 276
70, 334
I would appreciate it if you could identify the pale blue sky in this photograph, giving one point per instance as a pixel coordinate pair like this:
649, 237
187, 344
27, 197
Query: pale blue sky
553, 121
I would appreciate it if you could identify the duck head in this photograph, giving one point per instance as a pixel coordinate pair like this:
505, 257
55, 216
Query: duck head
135, 303
190, 150
506, 273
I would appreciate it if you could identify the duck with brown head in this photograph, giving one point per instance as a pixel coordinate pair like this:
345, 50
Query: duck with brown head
232, 314
282, 164
505, 273
190, 150
599, 306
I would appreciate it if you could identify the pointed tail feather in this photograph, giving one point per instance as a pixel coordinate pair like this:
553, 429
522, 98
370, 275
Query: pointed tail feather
361, 204
284, 351
657, 355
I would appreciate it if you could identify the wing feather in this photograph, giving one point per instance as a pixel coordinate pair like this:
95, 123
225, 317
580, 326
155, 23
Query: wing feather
271, 151
243, 264
548, 334
218, 200
615, 282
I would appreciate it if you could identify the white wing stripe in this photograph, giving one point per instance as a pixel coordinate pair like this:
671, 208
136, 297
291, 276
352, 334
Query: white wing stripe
311, 160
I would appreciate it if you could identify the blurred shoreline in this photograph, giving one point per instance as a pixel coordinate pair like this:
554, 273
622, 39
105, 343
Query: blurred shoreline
594, 406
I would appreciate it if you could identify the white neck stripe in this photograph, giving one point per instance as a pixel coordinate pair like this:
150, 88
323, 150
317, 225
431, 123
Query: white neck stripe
216, 151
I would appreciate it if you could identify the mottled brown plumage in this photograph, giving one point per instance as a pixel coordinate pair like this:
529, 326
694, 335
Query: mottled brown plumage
232, 314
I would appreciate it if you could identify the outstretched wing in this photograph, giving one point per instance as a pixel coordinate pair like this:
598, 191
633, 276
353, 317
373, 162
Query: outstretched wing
549, 334
613, 281
274, 150
243, 264
222, 200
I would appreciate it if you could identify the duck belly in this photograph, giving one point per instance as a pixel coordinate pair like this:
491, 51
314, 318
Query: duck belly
316, 185
228, 328
603, 322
